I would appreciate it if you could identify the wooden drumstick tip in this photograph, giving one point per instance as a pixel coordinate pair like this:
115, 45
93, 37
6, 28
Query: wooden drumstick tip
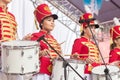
62, 42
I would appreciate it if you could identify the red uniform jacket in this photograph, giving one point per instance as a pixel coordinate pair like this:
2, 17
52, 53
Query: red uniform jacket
45, 63
114, 55
85, 46
8, 25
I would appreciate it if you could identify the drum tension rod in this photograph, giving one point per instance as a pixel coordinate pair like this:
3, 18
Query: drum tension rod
22, 53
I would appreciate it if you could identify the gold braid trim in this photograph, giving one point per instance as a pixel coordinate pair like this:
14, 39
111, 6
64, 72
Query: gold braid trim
93, 51
50, 68
8, 26
42, 13
55, 45
118, 53
3, 14
8, 34
8, 29
8, 39
8, 21
7, 16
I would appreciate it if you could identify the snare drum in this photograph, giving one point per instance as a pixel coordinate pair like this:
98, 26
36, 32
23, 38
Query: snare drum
20, 57
98, 72
58, 70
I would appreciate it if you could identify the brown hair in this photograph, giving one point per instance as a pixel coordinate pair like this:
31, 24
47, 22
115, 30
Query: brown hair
82, 33
113, 45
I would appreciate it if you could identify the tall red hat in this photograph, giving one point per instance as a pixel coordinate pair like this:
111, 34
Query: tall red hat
115, 32
43, 11
87, 16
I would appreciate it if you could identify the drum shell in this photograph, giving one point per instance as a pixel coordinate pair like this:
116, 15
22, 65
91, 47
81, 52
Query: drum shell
20, 57
98, 72
58, 70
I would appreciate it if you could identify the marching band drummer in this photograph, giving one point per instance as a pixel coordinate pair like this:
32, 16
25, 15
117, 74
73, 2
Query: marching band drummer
115, 46
8, 25
8, 32
84, 46
46, 23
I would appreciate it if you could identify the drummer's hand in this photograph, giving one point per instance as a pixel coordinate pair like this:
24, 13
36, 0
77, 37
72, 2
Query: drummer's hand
90, 60
75, 56
116, 63
44, 52
27, 37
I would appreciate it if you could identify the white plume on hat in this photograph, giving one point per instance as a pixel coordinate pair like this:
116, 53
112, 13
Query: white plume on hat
88, 10
116, 21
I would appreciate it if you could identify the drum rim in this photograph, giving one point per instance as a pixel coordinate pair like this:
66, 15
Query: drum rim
112, 73
72, 61
20, 47
14, 42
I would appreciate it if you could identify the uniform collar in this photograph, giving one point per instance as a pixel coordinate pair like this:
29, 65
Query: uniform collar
117, 47
44, 32
85, 38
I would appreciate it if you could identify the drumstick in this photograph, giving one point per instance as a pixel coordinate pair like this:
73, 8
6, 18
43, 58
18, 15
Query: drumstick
107, 57
79, 54
86, 55
62, 42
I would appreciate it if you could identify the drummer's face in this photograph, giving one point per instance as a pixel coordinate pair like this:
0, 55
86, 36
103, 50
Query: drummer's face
88, 32
48, 24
